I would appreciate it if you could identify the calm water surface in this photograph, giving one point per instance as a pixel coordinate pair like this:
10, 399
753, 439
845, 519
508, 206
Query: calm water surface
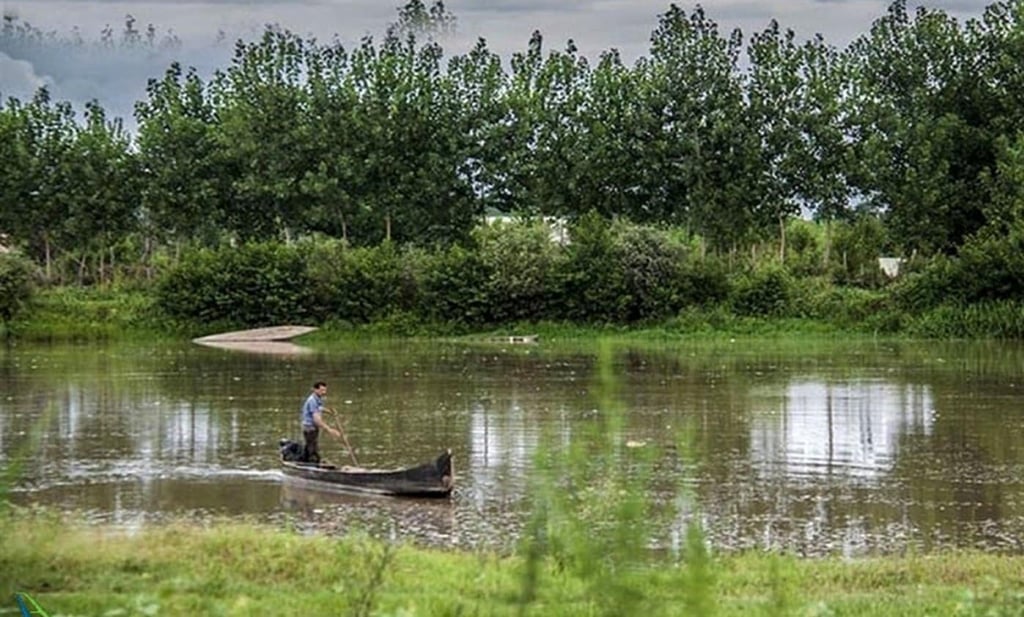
815, 448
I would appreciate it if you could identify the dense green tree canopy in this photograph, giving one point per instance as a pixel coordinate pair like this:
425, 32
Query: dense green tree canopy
917, 123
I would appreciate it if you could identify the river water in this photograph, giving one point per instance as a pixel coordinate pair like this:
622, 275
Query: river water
816, 448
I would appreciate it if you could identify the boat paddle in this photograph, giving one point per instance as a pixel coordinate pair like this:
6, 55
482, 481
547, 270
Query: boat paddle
344, 437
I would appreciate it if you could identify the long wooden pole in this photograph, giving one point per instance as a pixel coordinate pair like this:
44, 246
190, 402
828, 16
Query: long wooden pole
344, 436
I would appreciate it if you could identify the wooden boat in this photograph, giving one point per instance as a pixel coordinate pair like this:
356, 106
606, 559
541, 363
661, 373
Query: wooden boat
260, 335
273, 340
432, 479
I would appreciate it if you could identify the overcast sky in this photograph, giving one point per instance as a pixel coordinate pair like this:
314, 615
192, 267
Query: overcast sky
595, 25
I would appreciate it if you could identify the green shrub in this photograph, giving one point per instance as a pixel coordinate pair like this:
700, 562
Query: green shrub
361, 284
993, 319
928, 287
90, 313
16, 285
702, 282
846, 307
856, 247
651, 264
988, 269
591, 283
992, 268
803, 248
692, 319
398, 324
248, 286
453, 287
519, 262
765, 292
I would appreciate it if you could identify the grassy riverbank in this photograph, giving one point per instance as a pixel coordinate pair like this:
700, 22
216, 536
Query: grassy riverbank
242, 569
90, 314
93, 314
96, 314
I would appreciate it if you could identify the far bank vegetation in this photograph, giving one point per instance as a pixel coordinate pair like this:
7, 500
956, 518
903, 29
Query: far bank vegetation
716, 178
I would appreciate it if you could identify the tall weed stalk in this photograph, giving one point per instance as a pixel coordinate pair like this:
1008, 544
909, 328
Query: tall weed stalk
593, 520
378, 558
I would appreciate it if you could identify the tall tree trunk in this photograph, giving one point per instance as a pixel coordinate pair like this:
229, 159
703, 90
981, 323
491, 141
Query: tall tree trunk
387, 227
49, 260
828, 244
147, 248
344, 225
81, 269
782, 239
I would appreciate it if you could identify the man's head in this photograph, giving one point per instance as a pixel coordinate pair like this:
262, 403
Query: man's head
320, 388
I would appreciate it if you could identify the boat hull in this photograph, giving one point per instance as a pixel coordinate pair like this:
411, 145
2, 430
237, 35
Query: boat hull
433, 479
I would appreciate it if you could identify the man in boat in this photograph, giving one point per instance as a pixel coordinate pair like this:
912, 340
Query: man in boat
313, 421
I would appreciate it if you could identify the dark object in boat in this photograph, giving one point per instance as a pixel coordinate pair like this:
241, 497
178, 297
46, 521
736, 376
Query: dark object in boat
433, 479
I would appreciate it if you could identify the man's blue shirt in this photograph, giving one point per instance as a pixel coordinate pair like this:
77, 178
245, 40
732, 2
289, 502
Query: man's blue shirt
310, 407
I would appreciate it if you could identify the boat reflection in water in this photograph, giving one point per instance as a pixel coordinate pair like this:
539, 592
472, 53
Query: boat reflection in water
276, 348
336, 512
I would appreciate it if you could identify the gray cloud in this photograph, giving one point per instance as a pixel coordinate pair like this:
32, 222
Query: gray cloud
20, 79
279, 3
975, 7
525, 6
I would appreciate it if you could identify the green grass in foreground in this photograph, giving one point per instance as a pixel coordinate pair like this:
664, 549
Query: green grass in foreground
244, 569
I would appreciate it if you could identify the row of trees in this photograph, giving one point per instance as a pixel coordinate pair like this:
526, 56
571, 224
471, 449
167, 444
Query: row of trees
918, 123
